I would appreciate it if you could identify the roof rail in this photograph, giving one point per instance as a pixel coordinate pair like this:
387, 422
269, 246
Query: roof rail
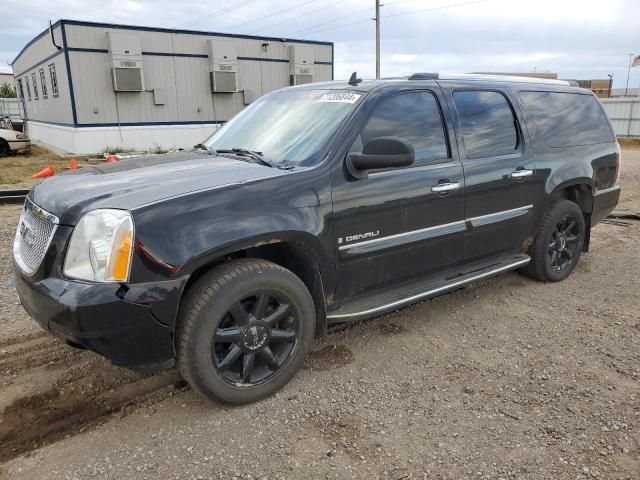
424, 76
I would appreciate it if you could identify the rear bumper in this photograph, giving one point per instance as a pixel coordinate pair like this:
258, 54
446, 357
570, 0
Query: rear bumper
604, 201
99, 318
19, 145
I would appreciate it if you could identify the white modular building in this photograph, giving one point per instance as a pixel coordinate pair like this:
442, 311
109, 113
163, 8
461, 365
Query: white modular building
85, 86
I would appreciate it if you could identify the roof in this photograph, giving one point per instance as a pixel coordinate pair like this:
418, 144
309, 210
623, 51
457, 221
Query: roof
370, 84
83, 23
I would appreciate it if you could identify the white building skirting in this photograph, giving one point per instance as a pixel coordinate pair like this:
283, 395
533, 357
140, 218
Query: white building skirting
90, 140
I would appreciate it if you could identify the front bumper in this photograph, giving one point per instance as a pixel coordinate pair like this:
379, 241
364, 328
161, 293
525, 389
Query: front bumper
99, 317
604, 201
19, 145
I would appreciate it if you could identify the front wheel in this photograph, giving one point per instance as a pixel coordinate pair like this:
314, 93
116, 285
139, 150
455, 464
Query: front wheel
557, 246
245, 329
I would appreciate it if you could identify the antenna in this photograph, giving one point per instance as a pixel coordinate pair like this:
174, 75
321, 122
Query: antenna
53, 40
354, 80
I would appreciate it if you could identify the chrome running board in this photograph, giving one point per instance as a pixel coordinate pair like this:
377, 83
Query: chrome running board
344, 314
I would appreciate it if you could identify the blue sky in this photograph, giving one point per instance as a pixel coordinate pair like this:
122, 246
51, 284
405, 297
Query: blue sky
577, 39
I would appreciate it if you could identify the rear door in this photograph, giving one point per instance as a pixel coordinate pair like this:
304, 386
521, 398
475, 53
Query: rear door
399, 224
501, 182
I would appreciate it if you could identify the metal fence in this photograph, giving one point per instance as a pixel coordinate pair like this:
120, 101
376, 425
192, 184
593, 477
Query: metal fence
624, 114
9, 107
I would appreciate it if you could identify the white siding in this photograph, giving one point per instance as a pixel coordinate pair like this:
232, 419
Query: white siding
51, 109
182, 70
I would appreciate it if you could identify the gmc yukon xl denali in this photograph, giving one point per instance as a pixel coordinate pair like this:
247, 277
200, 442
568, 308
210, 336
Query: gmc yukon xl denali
316, 205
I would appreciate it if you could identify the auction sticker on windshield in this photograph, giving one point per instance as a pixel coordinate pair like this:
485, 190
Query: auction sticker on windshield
340, 97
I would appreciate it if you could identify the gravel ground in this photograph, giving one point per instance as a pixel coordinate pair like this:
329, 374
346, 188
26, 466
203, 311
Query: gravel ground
506, 379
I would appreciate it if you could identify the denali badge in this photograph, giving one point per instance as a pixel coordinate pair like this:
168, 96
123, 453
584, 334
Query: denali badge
359, 236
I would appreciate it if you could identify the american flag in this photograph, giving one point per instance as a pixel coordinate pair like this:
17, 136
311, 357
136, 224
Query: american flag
636, 61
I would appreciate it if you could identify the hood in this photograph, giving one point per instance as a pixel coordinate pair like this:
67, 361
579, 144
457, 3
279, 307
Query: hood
130, 183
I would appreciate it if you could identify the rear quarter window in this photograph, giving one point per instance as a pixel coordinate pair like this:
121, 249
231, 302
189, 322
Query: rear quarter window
565, 119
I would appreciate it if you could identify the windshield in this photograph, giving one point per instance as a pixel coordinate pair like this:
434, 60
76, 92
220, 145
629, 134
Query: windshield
289, 126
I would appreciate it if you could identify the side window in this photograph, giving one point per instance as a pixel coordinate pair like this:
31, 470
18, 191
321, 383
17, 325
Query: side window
43, 83
20, 89
35, 86
414, 116
26, 82
488, 124
566, 119
54, 80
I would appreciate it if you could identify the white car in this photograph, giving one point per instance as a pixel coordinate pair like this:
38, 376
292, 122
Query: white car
13, 141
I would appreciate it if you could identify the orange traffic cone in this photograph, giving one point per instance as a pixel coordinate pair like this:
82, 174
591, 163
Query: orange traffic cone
47, 171
111, 159
73, 165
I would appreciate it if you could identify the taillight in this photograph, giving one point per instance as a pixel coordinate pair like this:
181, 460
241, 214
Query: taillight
618, 162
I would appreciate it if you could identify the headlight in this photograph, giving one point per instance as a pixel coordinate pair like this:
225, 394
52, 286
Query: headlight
100, 247
21, 136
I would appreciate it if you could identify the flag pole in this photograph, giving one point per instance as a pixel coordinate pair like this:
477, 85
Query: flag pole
626, 89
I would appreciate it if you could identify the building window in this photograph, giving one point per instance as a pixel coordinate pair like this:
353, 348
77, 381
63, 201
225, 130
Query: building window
35, 86
20, 89
26, 82
43, 83
54, 80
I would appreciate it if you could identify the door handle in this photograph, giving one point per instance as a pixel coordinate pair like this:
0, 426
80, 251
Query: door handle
445, 187
522, 173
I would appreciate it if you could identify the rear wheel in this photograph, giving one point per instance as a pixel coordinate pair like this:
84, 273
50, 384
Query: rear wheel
245, 330
557, 246
4, 148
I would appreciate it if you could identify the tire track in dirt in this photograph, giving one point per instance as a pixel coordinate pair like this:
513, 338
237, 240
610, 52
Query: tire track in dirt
34, 352
61, 391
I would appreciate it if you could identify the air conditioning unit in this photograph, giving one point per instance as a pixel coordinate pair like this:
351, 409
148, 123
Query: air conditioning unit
300, 64
125, 52
223, 66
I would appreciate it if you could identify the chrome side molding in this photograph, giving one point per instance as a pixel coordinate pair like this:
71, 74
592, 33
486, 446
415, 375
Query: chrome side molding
499, 216
403, 238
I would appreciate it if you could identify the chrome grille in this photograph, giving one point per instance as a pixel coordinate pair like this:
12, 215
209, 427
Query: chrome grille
35, 231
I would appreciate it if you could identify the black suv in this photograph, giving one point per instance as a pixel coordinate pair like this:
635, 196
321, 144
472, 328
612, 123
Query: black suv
316, 205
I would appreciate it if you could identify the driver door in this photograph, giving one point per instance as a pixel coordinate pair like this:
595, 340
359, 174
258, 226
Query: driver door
404, 223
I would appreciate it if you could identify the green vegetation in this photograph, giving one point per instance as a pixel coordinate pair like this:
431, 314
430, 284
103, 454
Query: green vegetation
7, 91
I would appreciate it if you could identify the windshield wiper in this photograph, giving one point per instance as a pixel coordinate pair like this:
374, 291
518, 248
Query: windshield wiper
252, 154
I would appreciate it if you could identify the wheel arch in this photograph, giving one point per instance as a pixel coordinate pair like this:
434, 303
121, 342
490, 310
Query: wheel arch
579, 191
299, 252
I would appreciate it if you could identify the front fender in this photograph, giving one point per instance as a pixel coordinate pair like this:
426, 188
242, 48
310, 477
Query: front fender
175, 238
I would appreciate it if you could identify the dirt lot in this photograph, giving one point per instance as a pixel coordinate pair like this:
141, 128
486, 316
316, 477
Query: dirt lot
506, 379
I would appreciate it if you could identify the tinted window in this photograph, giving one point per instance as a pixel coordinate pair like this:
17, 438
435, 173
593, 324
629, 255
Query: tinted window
54, 80
488, 126
566, 119
35, 86
43, 82
414, 116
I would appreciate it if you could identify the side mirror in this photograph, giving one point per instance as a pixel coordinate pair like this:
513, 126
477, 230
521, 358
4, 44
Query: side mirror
378, 153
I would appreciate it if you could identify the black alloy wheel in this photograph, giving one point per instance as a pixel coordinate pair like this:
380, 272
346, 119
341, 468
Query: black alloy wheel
255, 338
558, 243
563, 248
244, 330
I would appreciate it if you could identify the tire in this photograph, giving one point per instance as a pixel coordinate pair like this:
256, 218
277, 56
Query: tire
4, 148
563, 216
244, 330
